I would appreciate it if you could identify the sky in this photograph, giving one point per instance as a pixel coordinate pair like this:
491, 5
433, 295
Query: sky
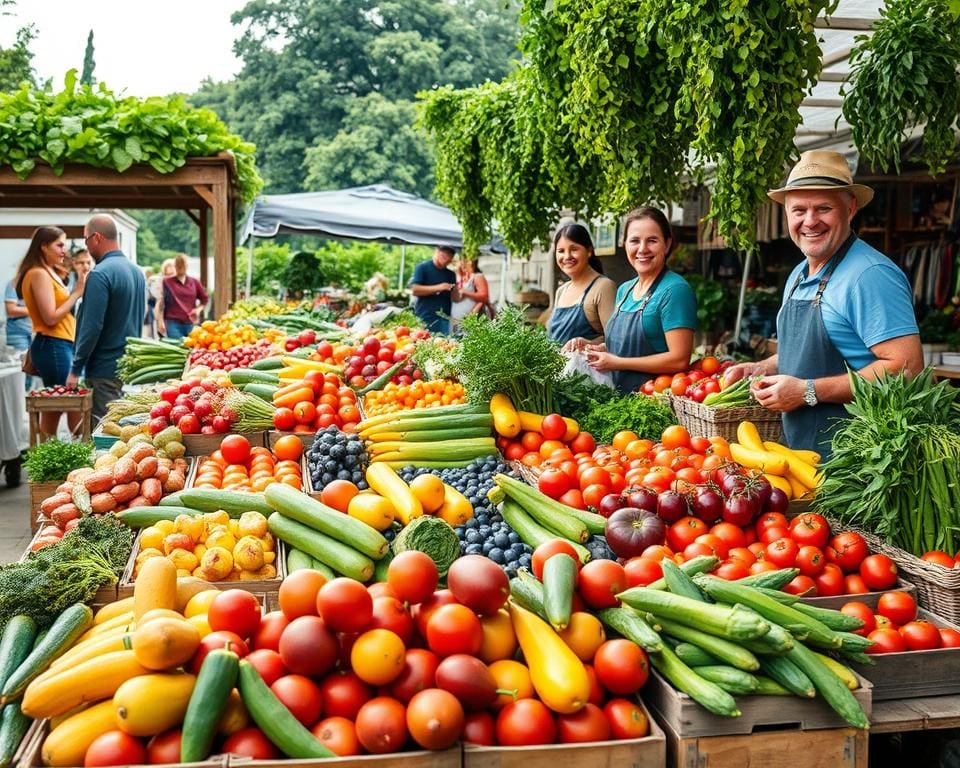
140, 48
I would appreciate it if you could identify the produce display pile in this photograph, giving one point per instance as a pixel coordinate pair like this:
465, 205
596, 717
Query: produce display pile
448, 541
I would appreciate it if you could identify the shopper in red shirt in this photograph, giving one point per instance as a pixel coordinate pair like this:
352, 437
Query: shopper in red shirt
181, 303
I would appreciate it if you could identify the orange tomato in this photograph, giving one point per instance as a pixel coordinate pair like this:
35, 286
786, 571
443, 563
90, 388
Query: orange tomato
662, 383
377, 656
288, 447
547, 447
530, 459
593, 493
623, 438
709, 365
675, 436
349, 413
699, 444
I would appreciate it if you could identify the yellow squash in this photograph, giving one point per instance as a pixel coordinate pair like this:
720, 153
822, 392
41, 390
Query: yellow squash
155, 587
748, 436
150, 704
456, 508
91, 649
67, 743
765, 461
805, 473
506, 420
112, 610
385, 481
558, 675
122, 622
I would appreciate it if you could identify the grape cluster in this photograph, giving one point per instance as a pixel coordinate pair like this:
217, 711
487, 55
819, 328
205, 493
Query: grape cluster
336, 455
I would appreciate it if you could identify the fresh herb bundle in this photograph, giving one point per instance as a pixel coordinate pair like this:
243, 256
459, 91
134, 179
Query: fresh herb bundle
55, 459
646, 416
895, 468
508, 355
575, 395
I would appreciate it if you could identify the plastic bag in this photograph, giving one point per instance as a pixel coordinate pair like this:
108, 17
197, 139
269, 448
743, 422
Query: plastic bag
577, 363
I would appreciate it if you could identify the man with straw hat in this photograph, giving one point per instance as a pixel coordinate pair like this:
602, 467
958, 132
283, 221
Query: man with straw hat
845, 306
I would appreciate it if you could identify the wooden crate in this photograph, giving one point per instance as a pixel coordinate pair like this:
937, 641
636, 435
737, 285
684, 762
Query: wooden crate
204, 445
448, 758
32, 739
38, 493
826, 748
689, 720
914, 674
648, 752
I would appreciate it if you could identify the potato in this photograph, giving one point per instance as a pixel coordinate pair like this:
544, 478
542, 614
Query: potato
99, 481
140, 451
151, 490
147, 467
175, 482
102, 502
124, 471
119, 449
52, 502
125, 491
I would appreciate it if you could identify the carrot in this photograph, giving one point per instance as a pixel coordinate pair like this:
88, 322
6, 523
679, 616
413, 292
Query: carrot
290, 399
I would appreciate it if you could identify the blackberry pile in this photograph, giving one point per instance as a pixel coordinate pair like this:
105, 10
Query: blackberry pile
336, 455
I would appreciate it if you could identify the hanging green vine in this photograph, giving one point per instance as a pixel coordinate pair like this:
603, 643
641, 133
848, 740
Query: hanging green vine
904, 76
92, 126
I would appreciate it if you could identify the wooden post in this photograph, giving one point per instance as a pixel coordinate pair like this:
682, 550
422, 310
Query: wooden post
204, 249
223, 257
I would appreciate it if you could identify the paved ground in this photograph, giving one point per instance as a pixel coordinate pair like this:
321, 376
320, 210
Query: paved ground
14, 527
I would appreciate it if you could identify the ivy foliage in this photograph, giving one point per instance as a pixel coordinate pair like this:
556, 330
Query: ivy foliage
92, 126
904, 76
618, 102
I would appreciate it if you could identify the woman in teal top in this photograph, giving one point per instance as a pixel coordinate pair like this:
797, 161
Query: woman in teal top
655, 314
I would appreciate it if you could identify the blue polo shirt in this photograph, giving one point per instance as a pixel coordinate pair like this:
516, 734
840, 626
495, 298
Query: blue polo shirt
672, 305
429, 308
867, 301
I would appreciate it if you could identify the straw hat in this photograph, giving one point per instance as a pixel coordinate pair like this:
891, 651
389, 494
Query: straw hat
819, 169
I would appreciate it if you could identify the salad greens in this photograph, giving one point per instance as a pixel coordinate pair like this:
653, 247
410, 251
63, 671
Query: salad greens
645, 415
55, 459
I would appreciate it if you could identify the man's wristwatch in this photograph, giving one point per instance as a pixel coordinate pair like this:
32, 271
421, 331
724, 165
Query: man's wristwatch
810, 394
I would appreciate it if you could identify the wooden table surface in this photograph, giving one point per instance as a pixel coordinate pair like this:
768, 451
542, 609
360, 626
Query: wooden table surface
946, 372
926, 714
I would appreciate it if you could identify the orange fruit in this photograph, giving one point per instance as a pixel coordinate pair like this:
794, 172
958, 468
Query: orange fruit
288, 448
429, 490
338, 494
623, 438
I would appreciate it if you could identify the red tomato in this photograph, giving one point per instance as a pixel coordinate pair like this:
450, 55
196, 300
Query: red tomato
684, 532
760, 566
801, 585
860, 611
732, 570
940, 558
594, 476
697, 549
878, 572
214, 641
478, 728
589, 724
164, 748
810, 528
546, 550
339, 735
599, 581
782, 552
899, 607
250, 742
554, 482
743, 554
553, 427
423, 611
949, 638
284, 419
719, 546
886, 641
308, 646
343, 693
524, 723
454, 629
271, 627
731, 534
772, 533
884, 623
235, 449
389, 613
413, 576
621, 666
583, 443
573, 498
920, 635
771, 520
115, 748
597, 694
830, 581
810, 560
847, 550
641, 571
627, 719
235, 610
853, 584
301, 696
514, 452
268, 663
345, 605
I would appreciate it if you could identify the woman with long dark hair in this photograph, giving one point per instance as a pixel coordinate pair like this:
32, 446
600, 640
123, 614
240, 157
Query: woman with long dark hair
651, 329
582, 305
50, 306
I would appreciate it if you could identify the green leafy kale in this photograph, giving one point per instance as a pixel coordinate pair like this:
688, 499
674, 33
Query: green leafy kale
55, 459
646, 416
575, 395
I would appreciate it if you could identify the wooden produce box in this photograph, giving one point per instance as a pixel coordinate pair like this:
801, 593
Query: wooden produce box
38, 493
823, 748
32, 739
869, 598
204, 445
448, 758
689, 720
914, 674
648, 752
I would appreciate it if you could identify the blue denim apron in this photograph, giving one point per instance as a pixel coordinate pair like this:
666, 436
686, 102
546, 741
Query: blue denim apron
625, 337
571, 322
804, 350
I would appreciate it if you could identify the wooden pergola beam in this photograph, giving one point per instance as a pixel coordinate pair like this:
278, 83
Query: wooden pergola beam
845, 23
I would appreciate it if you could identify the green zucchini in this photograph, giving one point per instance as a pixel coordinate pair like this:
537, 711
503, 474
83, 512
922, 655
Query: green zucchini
728, 652
679, 583
240, 376
296, 505
332, 553
768, 687
699, 564
19, 635
559, 583
67, 627
732, 680
530, 531
234, 503
267, 364
527, 592
380, 567
298, 560
632, 626
142, 517
833, 689
707, 694
13, 727
781, 597
788, 674
770, 579
733, 623
542, 507
278, 724
801, 626
837, 621
776, 642
263, 391
211, 692
694, 656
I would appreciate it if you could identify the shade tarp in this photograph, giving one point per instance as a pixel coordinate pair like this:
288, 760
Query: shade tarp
375, 213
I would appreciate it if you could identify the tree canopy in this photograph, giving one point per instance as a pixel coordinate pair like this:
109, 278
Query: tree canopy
15, 62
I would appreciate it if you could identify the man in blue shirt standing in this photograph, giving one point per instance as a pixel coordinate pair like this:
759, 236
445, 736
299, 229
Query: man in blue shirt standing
435, 286
113, 309
845, 306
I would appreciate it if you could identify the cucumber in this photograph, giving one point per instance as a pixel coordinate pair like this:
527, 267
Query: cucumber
544, 508
770, 579
141, 517
733, 623
13, 727
830, 686
679, 583
296, 505
768, 687
249, 375
531, 532
699, 564
632, 626
17, 642
381, 381
527, 592
837, 621
298, 560
211, 500
327, 571
218, 675
273, 718
559, 582
730, 653
263, 391
732, 680
267, 364
379, 569
66, 628
694, 656
330, 552
787, 674
707, 694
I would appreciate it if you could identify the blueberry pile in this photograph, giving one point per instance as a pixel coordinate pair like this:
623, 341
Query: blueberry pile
336, 455
485, 533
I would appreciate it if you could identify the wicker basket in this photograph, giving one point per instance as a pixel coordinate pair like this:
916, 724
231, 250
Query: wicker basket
702, 420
